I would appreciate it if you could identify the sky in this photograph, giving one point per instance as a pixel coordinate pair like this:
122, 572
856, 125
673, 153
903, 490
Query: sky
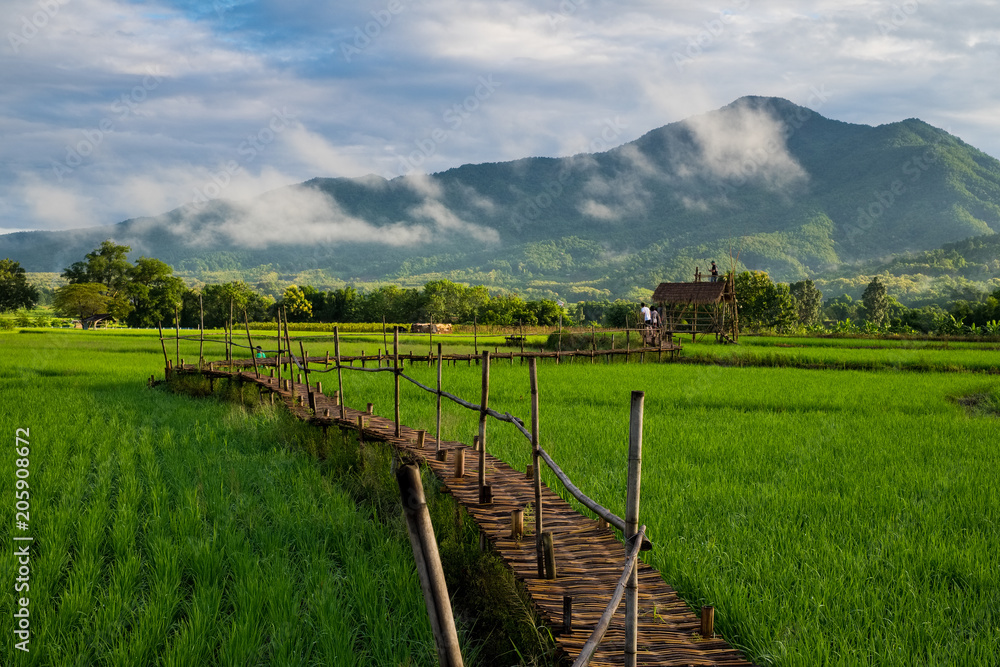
112, 109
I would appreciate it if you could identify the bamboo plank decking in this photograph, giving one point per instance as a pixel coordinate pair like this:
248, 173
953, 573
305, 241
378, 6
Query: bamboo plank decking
589, 558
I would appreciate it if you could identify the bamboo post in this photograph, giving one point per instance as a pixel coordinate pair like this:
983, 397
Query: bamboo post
166, 359
536, 464
438, 438
340, 372
305, 369
291, 358
475, 333
201, 345
421, 435
593, 342
277, 358
459, 461
385, 343
395, 372
559, 343
520, 326
484, 402
707, 622
549, 550
632, 524
517, 524
177, 325
628, 342
253, 355
425, 553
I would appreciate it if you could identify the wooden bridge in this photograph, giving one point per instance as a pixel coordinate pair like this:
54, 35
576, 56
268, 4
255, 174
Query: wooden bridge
588, 555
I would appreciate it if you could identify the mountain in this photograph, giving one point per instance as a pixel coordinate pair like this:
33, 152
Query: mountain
778, 185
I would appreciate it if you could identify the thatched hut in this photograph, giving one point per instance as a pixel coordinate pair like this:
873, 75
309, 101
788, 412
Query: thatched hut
699, 308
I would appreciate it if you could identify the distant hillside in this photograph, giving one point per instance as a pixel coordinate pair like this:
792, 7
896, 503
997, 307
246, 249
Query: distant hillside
789, 191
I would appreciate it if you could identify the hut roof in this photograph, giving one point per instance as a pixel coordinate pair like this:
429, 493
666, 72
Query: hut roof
697, 293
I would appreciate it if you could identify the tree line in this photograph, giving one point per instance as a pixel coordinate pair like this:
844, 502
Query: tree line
145, 292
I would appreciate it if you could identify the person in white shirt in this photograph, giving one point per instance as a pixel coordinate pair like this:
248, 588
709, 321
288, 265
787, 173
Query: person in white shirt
645, 313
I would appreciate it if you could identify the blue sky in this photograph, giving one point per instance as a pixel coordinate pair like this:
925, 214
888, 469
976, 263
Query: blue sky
113, 109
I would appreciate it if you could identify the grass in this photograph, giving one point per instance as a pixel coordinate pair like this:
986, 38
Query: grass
182, 532
832, 517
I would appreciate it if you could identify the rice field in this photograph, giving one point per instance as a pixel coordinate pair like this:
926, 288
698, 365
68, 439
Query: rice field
174, 531
832, 517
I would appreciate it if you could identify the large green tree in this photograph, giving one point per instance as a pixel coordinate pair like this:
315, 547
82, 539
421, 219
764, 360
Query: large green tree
81, 300
15, 292
107, 266
876, 302
808, 301
762, 303
153, 292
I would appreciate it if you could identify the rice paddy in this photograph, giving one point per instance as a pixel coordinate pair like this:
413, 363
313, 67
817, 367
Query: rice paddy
832, 517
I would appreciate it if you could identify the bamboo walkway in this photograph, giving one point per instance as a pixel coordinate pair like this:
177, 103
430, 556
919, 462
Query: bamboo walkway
588, 557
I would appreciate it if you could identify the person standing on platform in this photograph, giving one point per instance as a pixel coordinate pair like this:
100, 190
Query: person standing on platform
715, 273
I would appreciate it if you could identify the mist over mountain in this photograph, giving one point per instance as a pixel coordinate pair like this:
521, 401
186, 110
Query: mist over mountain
778, 185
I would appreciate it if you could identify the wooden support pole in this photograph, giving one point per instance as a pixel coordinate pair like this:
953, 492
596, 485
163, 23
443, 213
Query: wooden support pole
632, 524
484, 403
201, 345
253, 353
166, 359
177, 325
438, 438
516, 524
475, 334
305, 367
550, 555
385, 343
425, 553
395, 373
459, 460
707, 622
291, 357
420, 439
340, 372
536, 464
370, 409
